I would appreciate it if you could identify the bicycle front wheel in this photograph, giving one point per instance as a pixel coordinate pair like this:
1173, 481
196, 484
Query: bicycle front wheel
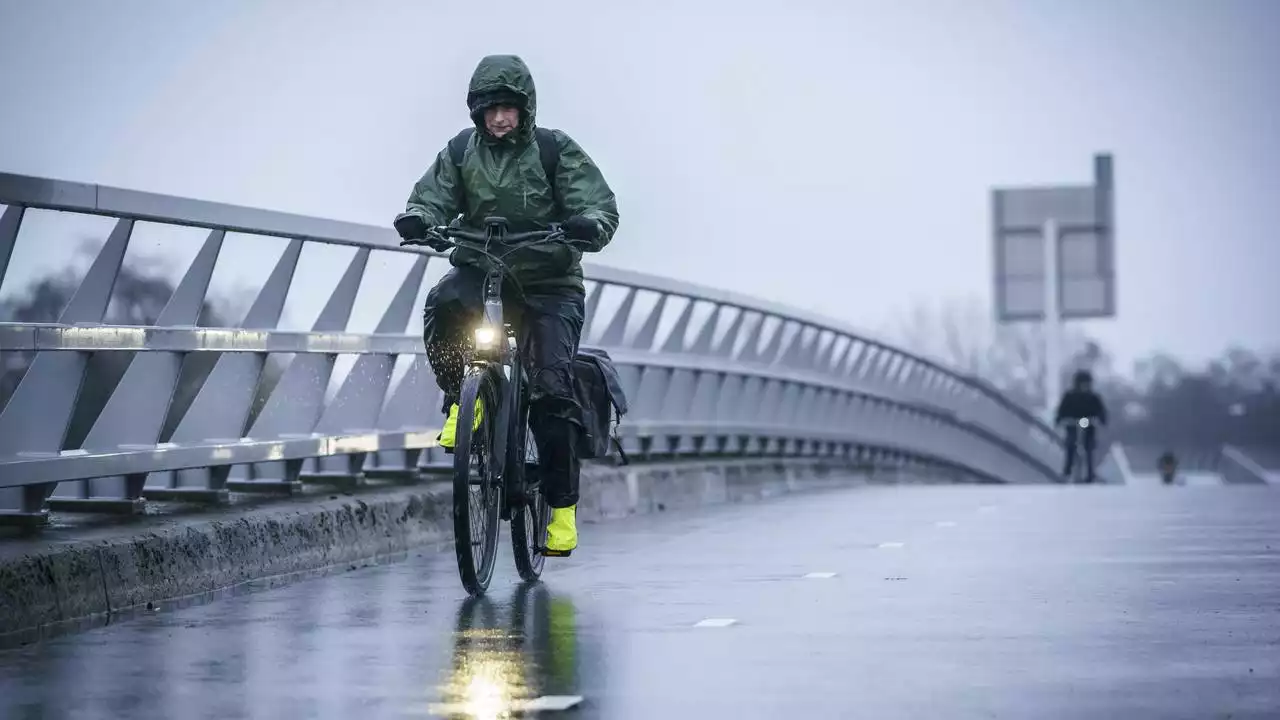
477, 496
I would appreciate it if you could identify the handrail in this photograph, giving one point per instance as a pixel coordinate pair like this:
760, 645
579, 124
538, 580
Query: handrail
50, 194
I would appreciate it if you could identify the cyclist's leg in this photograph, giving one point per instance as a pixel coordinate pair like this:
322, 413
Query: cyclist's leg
449, 315
1071, 450
1088, 453
551, 328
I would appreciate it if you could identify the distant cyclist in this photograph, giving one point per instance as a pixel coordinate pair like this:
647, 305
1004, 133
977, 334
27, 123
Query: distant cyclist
1080, 402
1168, 467
508, 167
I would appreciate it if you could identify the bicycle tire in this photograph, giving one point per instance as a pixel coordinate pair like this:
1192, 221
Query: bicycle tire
529, 521
475, 571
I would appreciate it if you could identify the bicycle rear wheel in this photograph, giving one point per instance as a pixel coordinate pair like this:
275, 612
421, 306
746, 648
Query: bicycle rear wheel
529, 521
477, 496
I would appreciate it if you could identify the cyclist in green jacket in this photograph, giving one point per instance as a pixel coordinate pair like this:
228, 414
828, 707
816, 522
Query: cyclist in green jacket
500, 172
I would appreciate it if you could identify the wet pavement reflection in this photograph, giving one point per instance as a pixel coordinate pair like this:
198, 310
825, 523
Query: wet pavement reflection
507, 659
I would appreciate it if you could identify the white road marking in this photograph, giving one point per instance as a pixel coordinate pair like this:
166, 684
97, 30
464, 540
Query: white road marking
821, 575
890, 545
715, 622
553, 702
987, 508
945, 523
544, 703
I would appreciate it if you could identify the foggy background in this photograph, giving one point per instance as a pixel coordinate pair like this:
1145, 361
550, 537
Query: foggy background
833, 156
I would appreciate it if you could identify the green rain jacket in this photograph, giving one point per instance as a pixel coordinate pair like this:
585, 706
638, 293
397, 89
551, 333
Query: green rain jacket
504, 177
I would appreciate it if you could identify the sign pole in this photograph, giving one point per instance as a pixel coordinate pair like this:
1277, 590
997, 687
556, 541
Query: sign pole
1047, 289
1052, 322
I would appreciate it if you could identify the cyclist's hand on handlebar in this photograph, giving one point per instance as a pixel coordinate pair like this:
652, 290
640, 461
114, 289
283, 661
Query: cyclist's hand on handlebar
580, 228
411, 228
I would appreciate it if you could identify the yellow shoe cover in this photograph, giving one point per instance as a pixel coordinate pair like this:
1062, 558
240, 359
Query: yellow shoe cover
449, 435
562, 532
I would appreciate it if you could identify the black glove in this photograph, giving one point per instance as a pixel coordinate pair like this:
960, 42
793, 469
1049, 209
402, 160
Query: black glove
414, 230
411, 227
581, 228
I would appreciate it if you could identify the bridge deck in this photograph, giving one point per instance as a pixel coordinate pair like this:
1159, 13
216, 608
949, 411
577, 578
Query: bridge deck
957, 602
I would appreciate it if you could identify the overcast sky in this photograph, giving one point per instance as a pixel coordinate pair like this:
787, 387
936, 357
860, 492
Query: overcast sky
836, 156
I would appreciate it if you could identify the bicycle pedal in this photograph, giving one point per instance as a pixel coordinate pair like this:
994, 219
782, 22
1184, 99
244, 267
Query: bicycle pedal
546, 552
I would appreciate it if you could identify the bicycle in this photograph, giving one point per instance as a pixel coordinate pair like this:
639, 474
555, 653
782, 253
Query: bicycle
1081, 460
500, 446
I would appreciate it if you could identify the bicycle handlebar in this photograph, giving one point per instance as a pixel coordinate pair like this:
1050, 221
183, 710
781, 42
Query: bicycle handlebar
447, 233
510, 241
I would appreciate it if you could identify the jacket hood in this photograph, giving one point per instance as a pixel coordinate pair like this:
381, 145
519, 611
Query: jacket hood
503, 78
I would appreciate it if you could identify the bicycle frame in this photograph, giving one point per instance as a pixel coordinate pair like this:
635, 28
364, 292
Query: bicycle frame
501, 354
494, 340
495, 347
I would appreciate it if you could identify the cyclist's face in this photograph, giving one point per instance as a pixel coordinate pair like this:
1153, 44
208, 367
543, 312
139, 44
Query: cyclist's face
501, 119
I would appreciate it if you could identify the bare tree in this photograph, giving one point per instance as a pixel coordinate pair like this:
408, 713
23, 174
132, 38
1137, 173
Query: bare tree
1235, 399
964, 335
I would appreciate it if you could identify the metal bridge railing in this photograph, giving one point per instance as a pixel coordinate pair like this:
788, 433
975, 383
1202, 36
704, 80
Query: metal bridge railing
177, 409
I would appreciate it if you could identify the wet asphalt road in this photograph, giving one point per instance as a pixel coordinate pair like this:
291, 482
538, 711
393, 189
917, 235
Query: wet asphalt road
946, 602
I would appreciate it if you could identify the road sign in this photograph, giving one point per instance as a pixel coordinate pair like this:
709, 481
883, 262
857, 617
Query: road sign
1084, 283
1055, 259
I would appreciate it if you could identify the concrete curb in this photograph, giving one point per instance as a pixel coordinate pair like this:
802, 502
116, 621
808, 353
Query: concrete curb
68, 584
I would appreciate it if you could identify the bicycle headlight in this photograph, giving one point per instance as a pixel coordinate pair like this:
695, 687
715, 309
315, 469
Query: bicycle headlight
1084, 422
485, 336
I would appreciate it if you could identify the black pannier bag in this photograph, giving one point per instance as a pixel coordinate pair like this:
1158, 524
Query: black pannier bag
599, 392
